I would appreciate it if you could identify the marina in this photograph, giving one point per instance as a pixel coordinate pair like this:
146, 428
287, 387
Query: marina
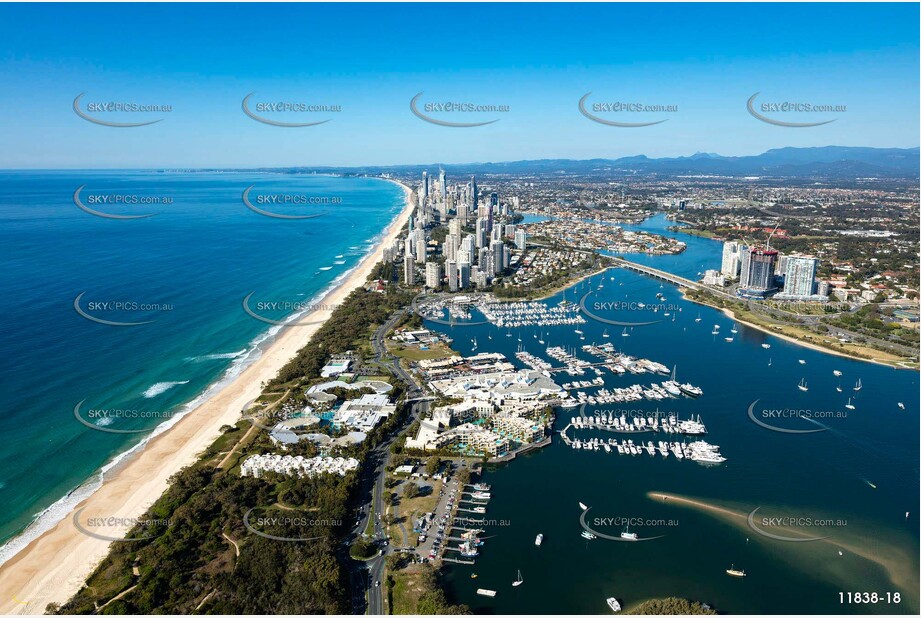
726, 379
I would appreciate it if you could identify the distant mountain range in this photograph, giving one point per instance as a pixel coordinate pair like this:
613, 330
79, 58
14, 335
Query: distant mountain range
826, 161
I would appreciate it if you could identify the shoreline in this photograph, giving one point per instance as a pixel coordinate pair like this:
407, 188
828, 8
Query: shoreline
790, 339
53, 566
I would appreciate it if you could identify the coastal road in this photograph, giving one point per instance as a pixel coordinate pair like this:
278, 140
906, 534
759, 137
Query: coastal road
366, 575
381, 459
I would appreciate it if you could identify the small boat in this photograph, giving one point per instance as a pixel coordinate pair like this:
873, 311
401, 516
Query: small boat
518, 581
849, 405
802, 385
613, 604
583, 507
605, 334
766, 346
697, 319
837, 373
840, 553
838, 388
629, 536
485, 593
625, 333
729, 339
735, 572
770, 360
858, 386
901, 406
734, 330
539, 539
802, 362
588, 536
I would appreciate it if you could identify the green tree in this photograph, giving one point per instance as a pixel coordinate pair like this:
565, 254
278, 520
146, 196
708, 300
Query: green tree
432, 465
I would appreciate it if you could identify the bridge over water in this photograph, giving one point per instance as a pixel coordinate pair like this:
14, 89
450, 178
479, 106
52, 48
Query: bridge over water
656, 273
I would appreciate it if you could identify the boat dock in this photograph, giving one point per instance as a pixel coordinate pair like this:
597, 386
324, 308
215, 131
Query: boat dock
698, 450
457, 560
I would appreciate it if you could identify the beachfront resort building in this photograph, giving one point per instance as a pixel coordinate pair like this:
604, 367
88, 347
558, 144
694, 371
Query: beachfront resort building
497, 411
523, 385
364, 413
297, 465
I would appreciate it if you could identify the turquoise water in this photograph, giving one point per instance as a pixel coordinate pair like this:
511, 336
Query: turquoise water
828, 475
191, 265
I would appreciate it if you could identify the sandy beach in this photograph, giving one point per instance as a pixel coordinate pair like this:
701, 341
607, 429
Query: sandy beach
54, 566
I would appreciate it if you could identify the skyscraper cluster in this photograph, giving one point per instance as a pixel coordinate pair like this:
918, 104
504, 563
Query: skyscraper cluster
471, 256
758, 270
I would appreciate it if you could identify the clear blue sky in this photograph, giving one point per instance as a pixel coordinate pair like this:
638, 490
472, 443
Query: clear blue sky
372, 59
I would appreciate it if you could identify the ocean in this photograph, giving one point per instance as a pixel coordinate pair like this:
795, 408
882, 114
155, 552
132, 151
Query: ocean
856, 481
78, 392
